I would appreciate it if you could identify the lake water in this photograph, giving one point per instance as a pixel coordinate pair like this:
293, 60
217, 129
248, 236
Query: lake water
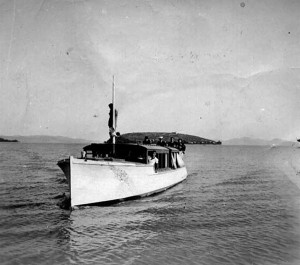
239, 205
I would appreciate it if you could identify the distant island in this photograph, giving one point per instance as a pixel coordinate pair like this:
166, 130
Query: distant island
44, 139
135, 137
9, 141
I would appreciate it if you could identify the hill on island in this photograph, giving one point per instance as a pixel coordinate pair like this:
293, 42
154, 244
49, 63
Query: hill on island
186, 138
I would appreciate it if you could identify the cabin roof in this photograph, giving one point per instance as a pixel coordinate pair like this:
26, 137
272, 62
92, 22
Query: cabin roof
154, 147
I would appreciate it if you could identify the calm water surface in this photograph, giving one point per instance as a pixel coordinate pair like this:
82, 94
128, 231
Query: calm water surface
239, 205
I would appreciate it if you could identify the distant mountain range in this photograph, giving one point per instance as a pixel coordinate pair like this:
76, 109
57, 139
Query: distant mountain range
45, 139
254, 141
139, 137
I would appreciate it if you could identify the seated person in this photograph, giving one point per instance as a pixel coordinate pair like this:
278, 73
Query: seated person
153, 161
146, 140
161, 142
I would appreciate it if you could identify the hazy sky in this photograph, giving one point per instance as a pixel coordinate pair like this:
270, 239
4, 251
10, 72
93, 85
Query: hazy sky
216, 69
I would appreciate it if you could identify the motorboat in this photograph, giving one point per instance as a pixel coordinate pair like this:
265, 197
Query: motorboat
103, 176
109, 172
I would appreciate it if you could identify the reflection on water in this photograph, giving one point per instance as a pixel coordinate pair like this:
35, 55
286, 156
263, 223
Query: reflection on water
239, 205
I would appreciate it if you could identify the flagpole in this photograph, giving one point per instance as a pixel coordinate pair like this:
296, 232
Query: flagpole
113, 114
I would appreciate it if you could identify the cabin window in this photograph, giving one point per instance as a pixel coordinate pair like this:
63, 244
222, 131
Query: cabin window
162, 160
137, 156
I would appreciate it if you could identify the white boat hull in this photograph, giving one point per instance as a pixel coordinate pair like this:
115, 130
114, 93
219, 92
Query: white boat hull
93, 182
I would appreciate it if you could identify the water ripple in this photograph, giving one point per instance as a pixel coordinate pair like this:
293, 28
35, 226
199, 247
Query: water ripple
238, 206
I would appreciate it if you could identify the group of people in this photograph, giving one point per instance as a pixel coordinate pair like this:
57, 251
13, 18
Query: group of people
153, 160
112, 124
179, 144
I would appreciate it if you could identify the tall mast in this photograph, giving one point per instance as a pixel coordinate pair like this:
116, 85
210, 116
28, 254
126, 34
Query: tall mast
113, 114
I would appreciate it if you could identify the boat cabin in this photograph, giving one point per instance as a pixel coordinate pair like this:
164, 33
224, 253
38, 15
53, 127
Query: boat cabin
168, 157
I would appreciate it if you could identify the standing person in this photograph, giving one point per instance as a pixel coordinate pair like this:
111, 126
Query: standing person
110, 121
172, 143
153, 161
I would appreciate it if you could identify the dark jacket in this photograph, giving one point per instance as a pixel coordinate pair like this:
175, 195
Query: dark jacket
110, 120
172, 144
181, 146
146, 141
